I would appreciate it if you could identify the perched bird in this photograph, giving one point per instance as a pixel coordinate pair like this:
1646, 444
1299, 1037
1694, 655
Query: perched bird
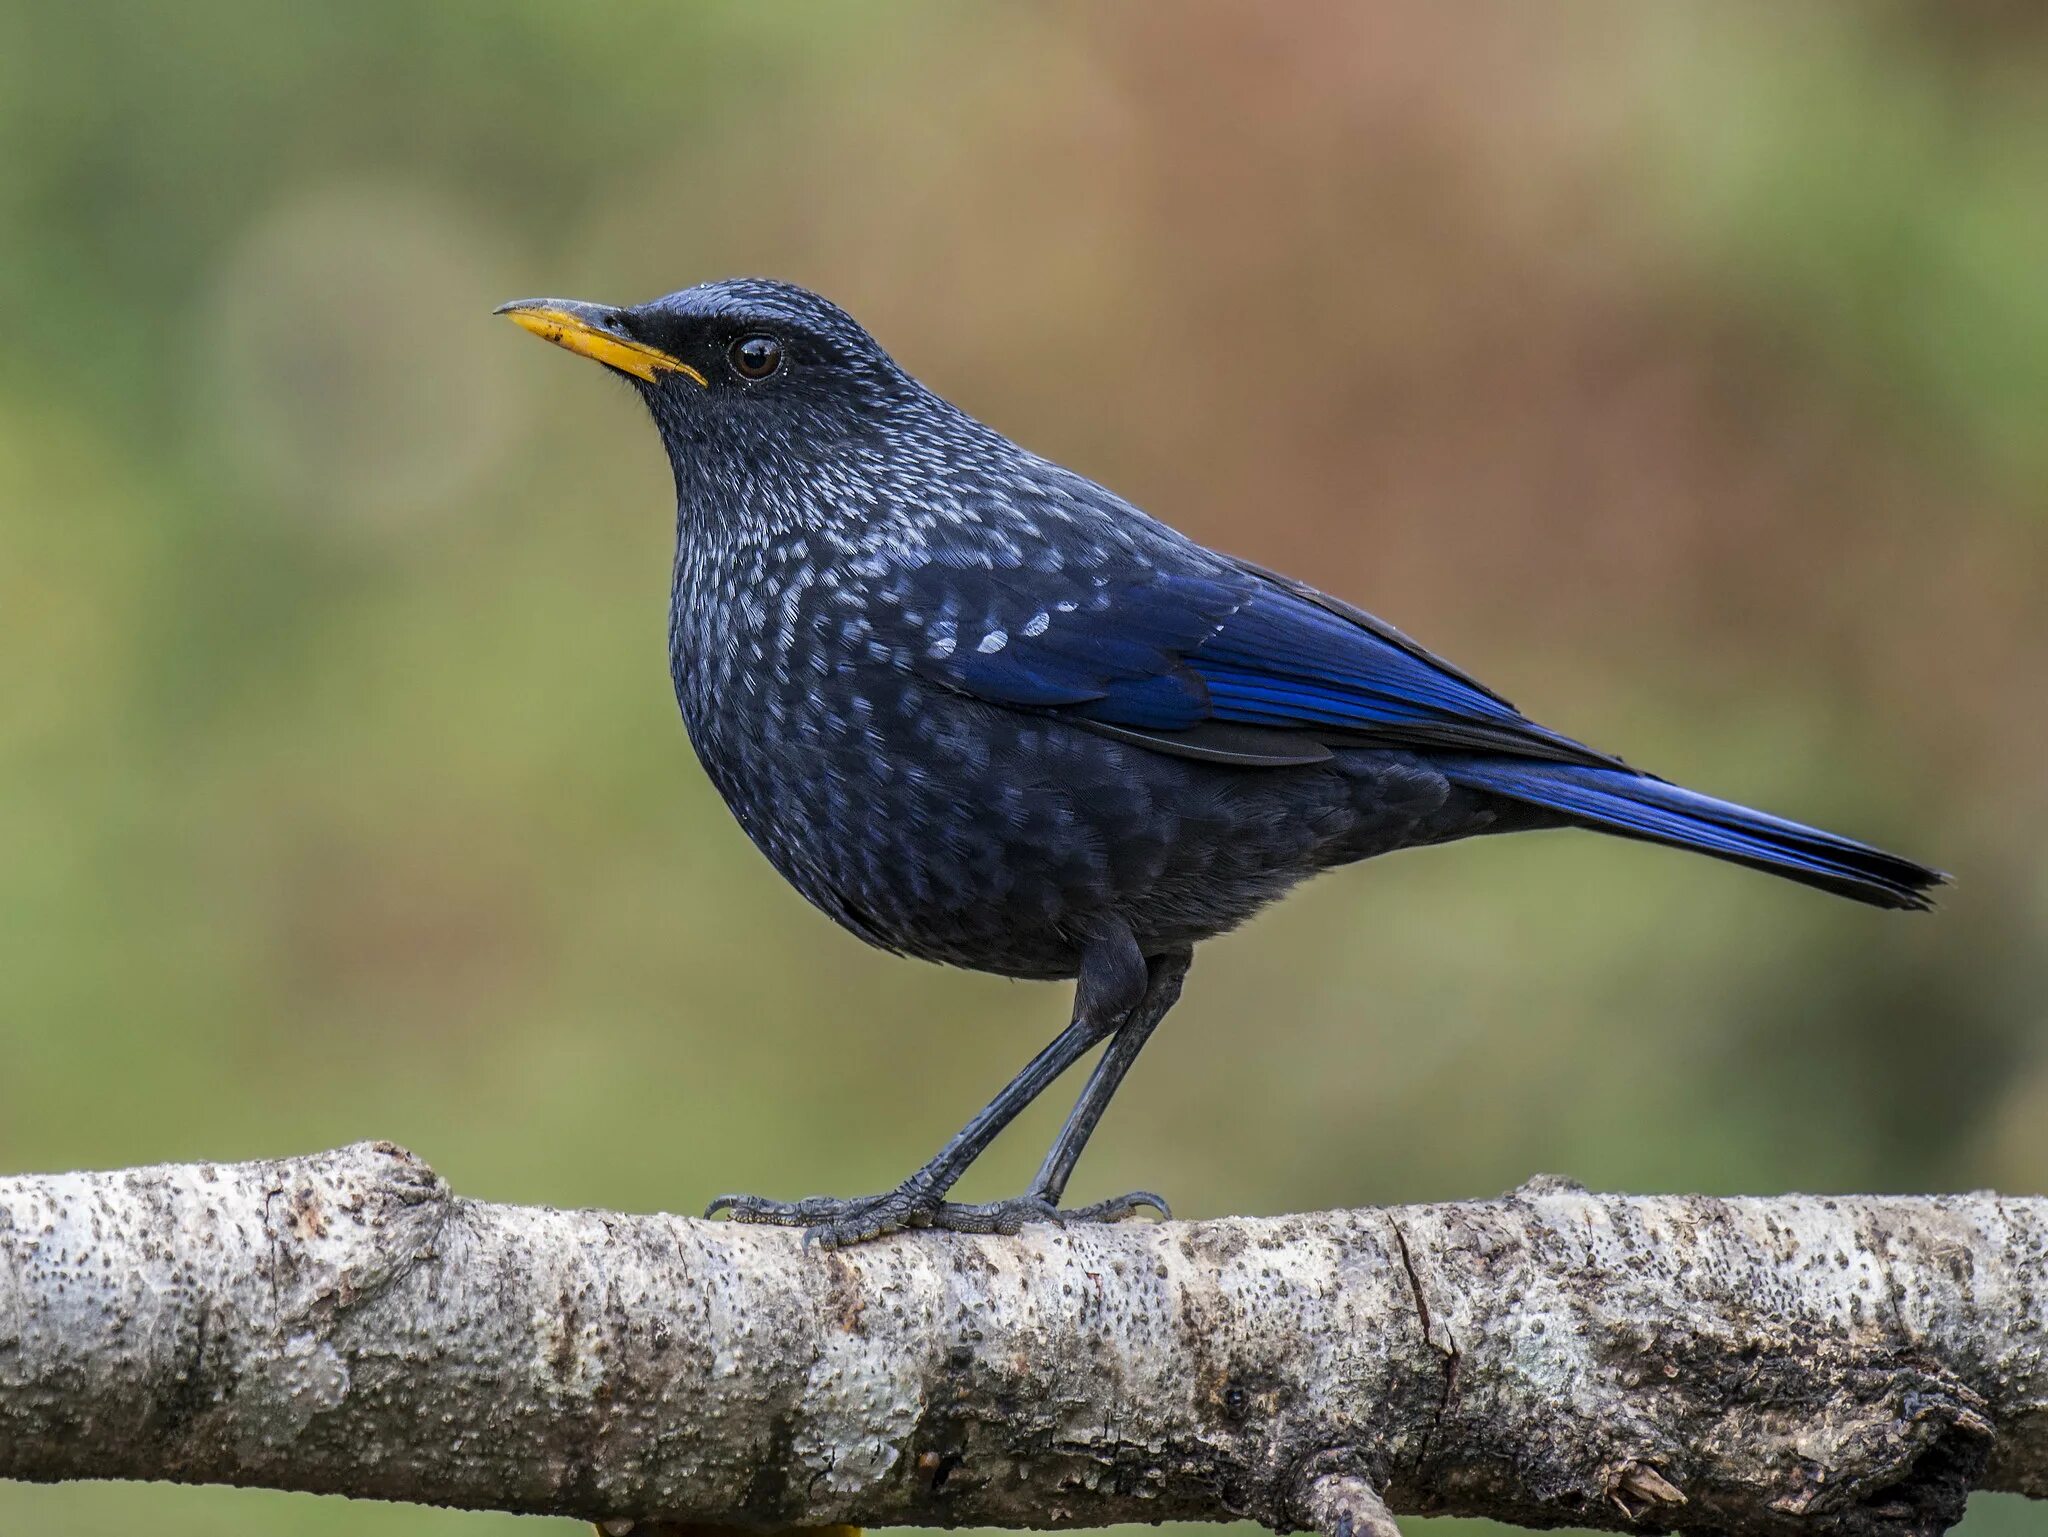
983, 711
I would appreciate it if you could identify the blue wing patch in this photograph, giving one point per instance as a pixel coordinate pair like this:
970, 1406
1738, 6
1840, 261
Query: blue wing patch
1232, 663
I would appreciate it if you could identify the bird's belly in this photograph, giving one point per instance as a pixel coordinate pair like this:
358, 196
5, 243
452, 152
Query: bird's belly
973, 848
980, 837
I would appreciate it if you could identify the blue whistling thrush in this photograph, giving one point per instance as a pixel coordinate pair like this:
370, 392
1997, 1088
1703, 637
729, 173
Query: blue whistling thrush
983, 711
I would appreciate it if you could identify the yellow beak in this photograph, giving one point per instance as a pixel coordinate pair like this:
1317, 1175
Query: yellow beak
590, 331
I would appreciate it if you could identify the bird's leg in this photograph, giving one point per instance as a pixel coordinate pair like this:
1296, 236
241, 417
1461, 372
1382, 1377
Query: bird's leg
837, 1220
1113, 985
1042, 1201
1162, 991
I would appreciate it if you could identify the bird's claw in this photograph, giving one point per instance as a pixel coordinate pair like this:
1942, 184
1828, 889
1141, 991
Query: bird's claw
835, 1222
804, 1213
1117, 1208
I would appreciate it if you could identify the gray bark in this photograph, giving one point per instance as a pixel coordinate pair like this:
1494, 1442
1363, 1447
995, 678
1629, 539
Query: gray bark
344, 1323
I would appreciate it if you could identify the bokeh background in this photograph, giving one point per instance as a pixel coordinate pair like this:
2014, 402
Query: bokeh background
1683, 371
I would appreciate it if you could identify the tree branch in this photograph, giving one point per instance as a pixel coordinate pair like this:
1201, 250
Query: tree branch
343, 1323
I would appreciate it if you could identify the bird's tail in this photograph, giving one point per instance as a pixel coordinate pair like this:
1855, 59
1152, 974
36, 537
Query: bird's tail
1615, 800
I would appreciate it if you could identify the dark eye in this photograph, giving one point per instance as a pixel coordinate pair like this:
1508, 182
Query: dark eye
755, 357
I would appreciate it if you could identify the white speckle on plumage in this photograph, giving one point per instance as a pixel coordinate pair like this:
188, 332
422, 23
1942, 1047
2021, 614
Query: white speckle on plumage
793, 599
940, 649
1036, 624
993, 642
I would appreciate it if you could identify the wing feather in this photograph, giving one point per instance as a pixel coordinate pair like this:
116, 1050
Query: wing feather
1180, 659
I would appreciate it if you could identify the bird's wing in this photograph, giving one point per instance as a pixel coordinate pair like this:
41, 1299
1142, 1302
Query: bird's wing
1223, 661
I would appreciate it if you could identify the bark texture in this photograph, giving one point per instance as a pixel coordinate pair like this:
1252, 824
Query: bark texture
344, 1323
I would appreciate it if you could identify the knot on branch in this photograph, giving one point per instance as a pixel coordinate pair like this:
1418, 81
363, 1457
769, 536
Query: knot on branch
1898, 1460
1332, 1495
1838, 1439
344, 1225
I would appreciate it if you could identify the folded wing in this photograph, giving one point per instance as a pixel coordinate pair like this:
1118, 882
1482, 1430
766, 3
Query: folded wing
1229, 663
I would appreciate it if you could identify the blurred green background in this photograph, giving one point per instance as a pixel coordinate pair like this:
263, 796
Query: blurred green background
1683, 371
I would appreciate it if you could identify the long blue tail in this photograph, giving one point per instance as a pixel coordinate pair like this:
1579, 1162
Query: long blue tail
1633, 805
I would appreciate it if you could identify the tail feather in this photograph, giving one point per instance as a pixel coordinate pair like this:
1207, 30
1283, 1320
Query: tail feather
1634, 805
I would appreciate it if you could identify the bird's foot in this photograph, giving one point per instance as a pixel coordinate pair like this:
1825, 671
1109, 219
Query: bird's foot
832, 1221
835, 1222
1011, 1215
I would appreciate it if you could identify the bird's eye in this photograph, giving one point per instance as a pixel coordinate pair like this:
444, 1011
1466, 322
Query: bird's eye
755, 357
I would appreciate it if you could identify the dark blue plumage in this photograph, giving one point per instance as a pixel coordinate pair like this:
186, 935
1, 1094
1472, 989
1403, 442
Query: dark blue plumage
982, 711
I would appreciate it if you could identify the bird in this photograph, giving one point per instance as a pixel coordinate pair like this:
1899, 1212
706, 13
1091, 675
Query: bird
982, 711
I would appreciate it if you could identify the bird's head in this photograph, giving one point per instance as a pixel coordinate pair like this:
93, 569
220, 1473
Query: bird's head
744, 377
